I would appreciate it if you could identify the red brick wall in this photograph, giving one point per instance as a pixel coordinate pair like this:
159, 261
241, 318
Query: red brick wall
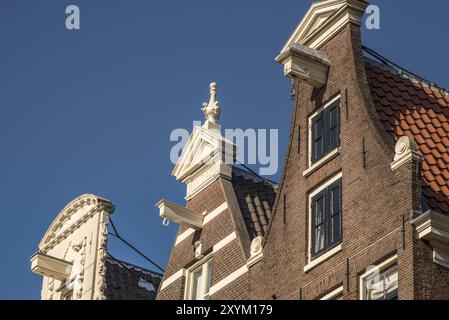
375, 200
224, 262
374, 197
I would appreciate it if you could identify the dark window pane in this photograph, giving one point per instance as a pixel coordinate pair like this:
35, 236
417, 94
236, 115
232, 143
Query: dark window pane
319, 205
318, 231
318, 139
325, 131
319, 239
326, 219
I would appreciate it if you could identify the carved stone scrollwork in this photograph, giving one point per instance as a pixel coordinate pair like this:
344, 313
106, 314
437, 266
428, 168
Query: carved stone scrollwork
198, 249
102, 253
405, 151
81, 249
256, 246
256, 251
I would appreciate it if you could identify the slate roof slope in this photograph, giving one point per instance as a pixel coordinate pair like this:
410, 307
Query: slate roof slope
256, 199
125, 281
413, 107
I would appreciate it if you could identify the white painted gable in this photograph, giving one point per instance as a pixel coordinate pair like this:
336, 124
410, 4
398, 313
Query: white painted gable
324, 19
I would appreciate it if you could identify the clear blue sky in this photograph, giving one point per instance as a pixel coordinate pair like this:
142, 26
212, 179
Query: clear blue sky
91, 111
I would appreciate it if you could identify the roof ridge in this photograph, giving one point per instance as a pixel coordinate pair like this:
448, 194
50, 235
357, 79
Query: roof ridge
405, 74
248, 175
133, 266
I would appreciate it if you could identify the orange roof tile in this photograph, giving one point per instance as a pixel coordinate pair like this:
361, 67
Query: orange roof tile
421, 112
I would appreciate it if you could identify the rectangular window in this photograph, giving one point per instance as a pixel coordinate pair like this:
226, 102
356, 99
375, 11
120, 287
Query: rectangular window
326, 218
198, 282
380, 282
325, 131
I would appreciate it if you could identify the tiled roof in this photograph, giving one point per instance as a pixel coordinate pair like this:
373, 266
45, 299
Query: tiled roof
125, 281
410, 106
256, 199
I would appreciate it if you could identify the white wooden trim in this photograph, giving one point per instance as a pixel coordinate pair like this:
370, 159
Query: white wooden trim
214, 213
328, 254
325, 184
321, 162
312, 264
227, 280
381, 267
335, 293
208, 218
177, 275
205, 265
184, 235
222, 243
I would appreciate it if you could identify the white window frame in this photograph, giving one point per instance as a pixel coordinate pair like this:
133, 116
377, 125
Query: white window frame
331, 154
205, 266
338, 292
320, 259
380, 268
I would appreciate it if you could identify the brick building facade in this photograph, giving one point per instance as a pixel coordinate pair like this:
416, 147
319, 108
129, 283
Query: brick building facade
362, 208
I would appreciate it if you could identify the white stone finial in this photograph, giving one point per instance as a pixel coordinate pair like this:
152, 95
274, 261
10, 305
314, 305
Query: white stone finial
212, 110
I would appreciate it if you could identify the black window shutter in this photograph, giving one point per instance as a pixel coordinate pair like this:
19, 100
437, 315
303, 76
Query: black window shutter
334, 213
333, 125
318, 125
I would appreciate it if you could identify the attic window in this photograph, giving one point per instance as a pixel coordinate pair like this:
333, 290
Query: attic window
324, 132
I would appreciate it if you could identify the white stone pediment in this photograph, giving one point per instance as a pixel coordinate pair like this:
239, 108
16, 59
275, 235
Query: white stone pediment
204, 147
324, 19
73, 215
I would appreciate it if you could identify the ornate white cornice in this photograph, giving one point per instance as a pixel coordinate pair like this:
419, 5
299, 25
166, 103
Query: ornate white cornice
434, 228
325, 19
75, 214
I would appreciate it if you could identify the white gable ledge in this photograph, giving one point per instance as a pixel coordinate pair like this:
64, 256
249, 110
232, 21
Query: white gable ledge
228, 280
207, 218
177, 275
434, 228
179, 214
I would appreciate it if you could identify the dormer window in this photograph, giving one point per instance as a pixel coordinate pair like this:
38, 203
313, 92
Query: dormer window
324, 133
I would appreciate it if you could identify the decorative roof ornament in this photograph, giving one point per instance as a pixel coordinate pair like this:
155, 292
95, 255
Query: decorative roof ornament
212, 110
405, 150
